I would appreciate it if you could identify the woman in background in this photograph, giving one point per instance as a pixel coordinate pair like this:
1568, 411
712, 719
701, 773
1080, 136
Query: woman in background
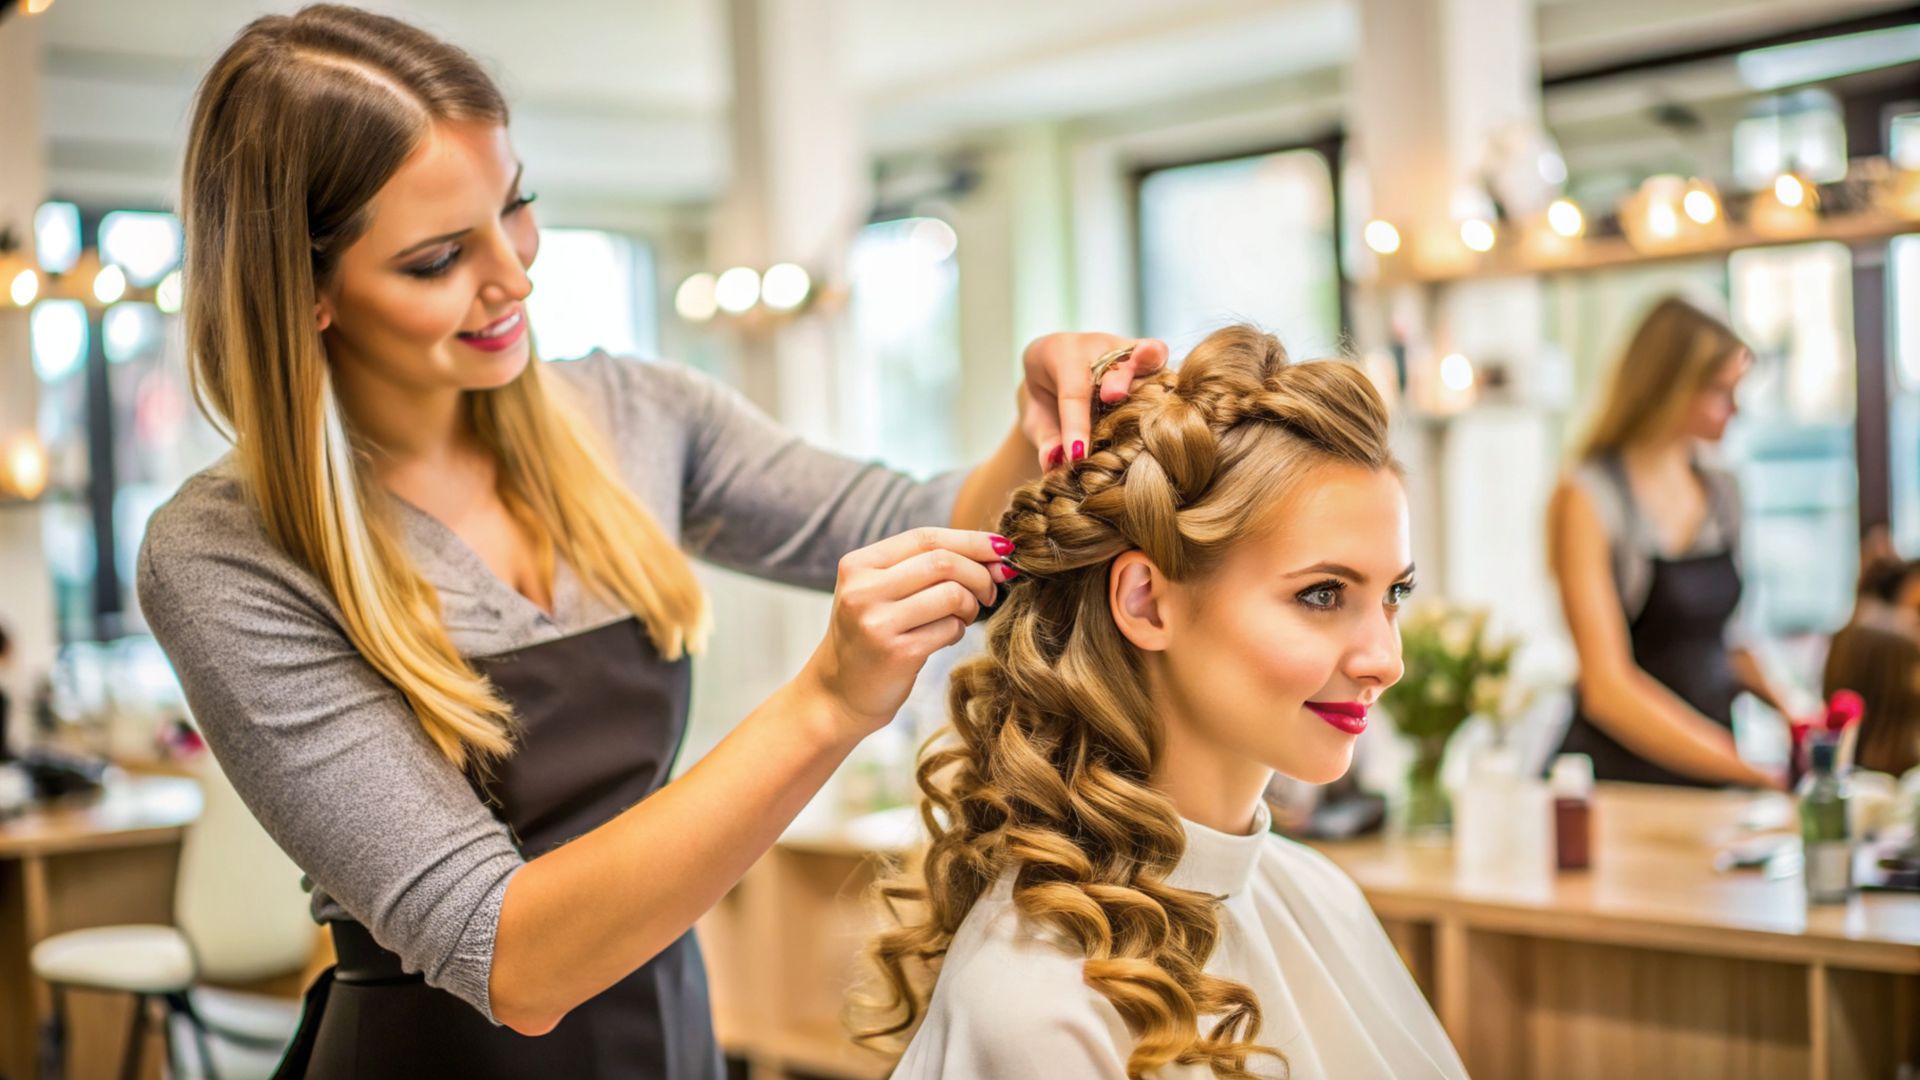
1877, 655
1209, 597
1643, 535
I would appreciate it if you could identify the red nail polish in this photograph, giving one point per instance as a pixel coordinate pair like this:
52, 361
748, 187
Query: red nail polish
1002, 545
1079, 449
1010, 572
1055, 457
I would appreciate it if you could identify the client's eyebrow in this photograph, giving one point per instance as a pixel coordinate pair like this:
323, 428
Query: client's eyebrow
1342, 570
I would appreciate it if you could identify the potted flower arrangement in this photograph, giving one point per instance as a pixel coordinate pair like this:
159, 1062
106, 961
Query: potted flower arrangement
1455, 669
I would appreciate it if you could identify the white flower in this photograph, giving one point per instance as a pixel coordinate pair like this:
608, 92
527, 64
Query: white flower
1440, 690
1456, 637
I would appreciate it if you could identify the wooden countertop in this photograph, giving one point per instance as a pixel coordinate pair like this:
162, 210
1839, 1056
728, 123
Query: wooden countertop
1652, 884
128, 812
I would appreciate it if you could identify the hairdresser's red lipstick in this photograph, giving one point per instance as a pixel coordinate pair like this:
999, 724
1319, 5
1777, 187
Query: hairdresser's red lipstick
1348, 716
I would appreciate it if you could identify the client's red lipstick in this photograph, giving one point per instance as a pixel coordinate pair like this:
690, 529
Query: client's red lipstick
1348, 716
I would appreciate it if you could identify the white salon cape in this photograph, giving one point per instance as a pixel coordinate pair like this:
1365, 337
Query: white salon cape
1010, 1003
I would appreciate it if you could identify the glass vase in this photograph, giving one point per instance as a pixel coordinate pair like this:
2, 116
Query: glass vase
1426, 811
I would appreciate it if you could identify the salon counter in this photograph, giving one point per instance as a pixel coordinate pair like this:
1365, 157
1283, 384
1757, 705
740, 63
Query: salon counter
1650, 964
1653, 963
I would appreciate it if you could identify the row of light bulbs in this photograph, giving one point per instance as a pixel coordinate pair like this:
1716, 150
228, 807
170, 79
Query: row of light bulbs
96, 286
783, 289
1665, 211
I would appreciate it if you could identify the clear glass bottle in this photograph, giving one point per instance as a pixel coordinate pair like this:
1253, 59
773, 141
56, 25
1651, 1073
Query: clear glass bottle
1825, 836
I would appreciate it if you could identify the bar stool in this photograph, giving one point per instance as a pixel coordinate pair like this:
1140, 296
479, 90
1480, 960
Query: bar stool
240, 915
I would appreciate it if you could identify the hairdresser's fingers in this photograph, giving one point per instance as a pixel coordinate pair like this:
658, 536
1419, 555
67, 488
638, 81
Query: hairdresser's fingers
934, 636
898, 548
1148, 356
930, 568
1040, 422
941, 600
1059, 382
887, 597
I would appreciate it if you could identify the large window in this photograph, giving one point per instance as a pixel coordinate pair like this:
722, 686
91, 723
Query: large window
593, 290
905, 314
1903, 296
1249, 239
1793, 441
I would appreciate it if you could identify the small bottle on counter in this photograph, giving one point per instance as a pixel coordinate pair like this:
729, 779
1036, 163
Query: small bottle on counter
1572, 781
1825, 839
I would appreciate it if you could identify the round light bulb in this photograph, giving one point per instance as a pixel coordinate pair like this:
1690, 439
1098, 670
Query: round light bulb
1700, 206
1477, 234
26, 465
110, 284
1662, 221
24, 287
785, 286
1788, 189
1382, 237
694, 299
737, 290
1456, 372
1565, 219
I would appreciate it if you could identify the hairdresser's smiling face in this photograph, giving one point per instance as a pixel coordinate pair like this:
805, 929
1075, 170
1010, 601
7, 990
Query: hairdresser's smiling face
1302, 615
418, 302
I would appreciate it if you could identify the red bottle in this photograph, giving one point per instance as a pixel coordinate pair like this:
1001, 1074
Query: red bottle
1573, 810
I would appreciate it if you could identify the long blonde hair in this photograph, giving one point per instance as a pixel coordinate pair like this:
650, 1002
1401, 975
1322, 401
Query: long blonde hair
1676, 351
1055, 733
296, 127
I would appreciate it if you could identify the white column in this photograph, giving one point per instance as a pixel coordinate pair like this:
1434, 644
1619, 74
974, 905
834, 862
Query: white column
1433, 81
799, 189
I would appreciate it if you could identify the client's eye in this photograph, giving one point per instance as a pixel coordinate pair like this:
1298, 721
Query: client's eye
1399, 593
1322, 597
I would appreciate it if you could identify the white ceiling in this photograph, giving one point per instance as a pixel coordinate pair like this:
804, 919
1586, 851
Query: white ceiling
621, 99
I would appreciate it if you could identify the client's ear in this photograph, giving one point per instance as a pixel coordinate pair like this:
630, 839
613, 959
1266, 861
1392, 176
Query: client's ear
1137, 595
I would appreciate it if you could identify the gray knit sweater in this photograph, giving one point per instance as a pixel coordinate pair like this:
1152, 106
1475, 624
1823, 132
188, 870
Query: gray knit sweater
326, 752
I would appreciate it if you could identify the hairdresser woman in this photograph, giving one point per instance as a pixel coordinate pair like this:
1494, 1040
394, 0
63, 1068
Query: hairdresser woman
1644, 537
433, 612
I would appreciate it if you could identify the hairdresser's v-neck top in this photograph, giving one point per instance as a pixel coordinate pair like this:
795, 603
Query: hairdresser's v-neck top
1335, 998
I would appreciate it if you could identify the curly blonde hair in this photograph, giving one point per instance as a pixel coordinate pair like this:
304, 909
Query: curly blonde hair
1054, 736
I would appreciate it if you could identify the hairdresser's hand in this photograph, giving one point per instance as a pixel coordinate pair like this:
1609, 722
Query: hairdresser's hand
1056, 397
895, 603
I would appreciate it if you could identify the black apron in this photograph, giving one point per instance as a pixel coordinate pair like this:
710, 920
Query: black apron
1679, 638
601, 717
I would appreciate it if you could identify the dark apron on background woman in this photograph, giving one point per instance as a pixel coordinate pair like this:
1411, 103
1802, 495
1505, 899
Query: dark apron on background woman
601, 717
1679, 638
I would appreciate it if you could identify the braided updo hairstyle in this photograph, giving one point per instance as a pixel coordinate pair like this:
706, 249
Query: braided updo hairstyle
1054, 734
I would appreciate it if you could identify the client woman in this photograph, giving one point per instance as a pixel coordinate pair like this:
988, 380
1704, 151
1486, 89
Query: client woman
1208, 597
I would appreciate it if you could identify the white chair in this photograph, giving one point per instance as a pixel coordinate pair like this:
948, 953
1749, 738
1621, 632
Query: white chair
240, 914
